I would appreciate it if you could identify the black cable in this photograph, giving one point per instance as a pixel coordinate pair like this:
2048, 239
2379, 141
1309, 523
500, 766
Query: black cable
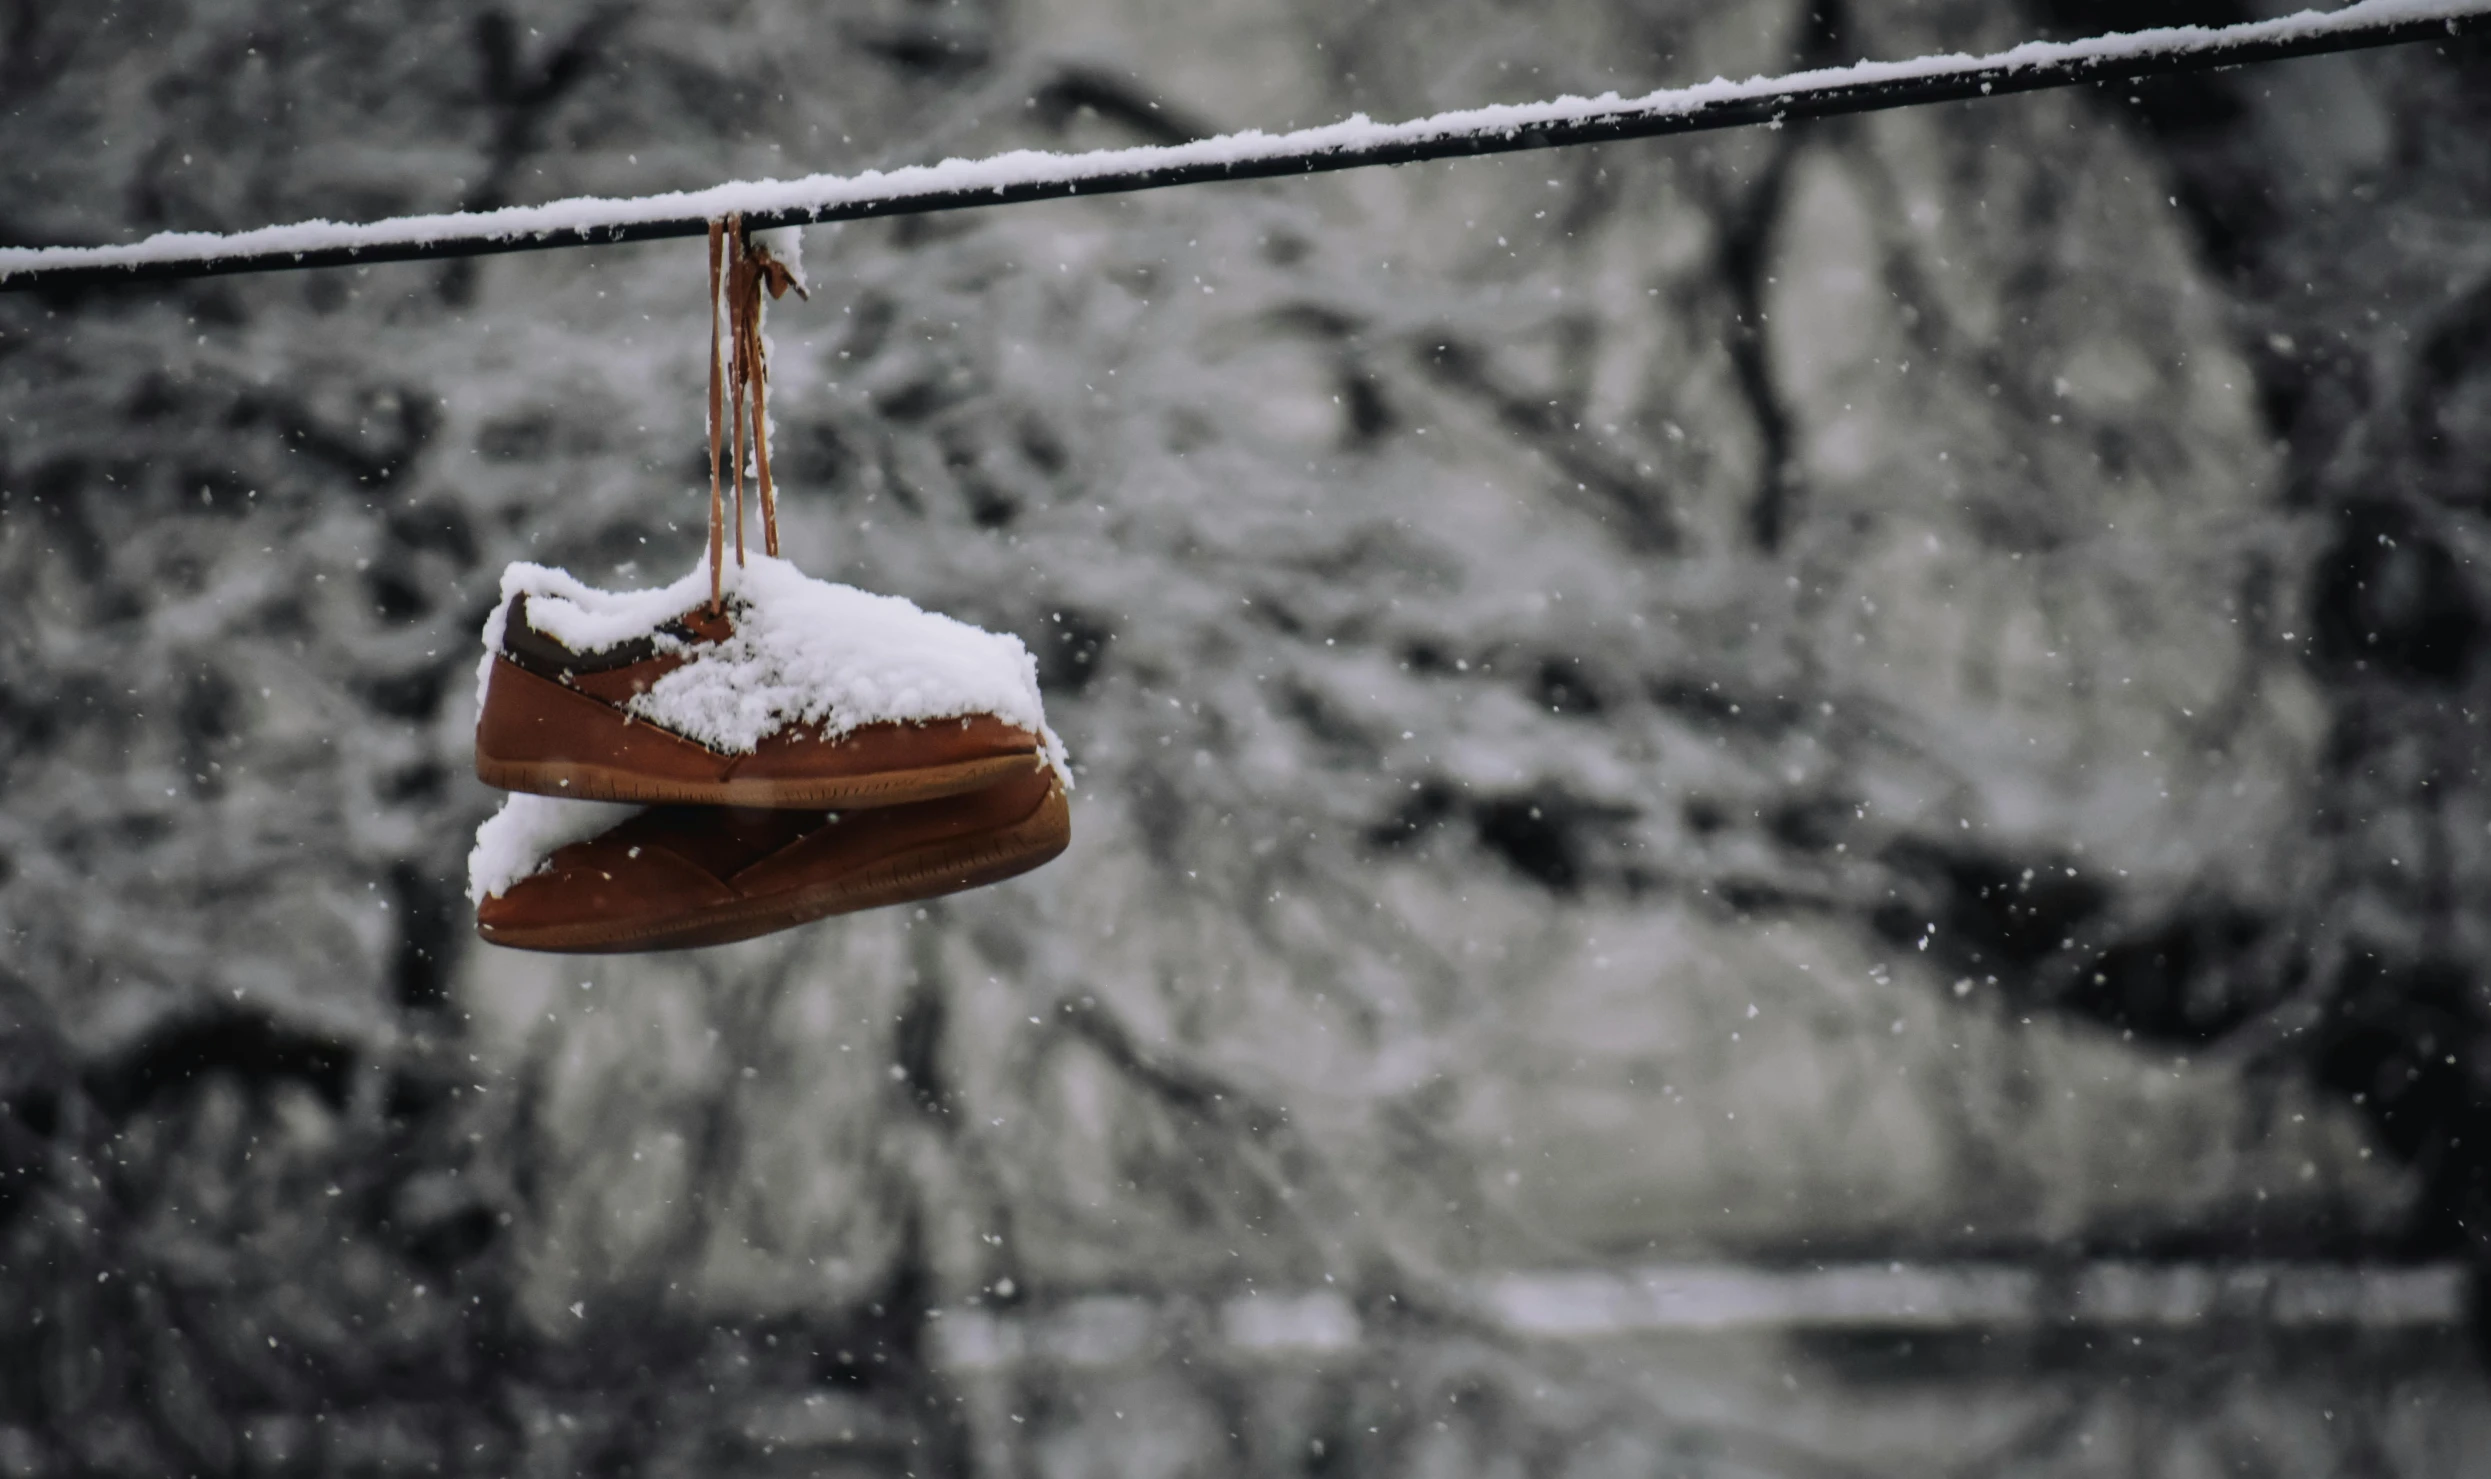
1828, 95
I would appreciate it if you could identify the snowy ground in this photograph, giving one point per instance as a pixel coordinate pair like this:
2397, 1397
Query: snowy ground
1897, 689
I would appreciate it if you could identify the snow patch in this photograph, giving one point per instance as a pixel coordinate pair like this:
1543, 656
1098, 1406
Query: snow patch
515, 842
785, 244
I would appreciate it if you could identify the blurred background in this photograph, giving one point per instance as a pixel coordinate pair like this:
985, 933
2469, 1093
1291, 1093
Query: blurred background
1796, 803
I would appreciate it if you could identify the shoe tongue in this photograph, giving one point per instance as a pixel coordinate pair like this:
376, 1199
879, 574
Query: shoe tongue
720, 840
699, 625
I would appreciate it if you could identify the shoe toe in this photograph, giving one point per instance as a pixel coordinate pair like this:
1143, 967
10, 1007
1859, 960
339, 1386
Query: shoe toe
606, 882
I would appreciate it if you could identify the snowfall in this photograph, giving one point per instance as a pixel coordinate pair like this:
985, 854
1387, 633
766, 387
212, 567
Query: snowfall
1890, 693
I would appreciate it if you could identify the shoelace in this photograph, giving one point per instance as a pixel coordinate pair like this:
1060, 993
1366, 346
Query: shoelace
739, 385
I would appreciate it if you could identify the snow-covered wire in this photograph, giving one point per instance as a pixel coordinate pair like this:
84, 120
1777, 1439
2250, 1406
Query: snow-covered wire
1027, 175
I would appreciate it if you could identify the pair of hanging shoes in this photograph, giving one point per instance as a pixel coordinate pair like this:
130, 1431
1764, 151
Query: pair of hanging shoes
691, 777
692, 771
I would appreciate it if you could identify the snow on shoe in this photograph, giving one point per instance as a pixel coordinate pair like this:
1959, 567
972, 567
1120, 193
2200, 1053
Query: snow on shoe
799, 693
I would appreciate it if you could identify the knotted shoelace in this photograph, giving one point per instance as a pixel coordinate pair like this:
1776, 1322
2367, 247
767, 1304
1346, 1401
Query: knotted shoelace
740, 270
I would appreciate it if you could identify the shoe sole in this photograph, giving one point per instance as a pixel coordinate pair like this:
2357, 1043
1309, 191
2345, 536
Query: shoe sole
576, 781
930, 871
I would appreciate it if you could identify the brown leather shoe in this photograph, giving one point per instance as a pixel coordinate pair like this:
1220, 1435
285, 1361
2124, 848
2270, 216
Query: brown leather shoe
555, 722
675, 877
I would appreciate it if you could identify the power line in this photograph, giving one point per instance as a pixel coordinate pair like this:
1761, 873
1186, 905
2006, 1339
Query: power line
1029, 176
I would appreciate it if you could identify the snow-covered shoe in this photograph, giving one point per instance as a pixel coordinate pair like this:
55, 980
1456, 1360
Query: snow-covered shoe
797, 693
670, 878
